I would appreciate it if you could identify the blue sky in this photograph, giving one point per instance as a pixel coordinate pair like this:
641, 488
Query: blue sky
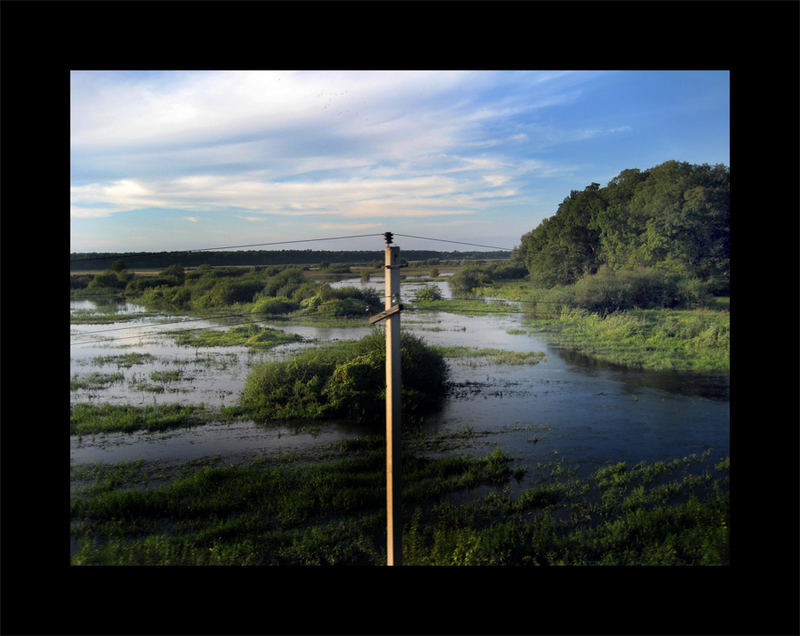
164, 161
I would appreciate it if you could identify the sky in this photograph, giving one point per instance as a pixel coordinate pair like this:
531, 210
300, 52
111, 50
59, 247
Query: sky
174, 160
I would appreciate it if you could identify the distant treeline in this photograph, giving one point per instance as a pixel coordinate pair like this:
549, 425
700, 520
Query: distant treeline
159, 260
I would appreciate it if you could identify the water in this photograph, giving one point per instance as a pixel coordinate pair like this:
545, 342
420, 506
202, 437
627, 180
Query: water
565, 407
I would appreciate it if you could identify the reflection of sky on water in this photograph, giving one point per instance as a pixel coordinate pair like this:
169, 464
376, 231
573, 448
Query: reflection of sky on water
565, 406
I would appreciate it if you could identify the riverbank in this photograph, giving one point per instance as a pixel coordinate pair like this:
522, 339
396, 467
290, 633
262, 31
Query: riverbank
695, 340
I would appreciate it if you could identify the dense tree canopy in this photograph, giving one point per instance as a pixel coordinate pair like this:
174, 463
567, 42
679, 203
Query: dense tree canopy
673, 217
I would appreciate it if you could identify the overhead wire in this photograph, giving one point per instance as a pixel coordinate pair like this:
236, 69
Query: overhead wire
131, 255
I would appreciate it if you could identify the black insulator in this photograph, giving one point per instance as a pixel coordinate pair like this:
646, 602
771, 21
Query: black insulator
387, 236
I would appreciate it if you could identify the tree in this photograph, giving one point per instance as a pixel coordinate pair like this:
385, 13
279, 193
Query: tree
118, 265
674, 216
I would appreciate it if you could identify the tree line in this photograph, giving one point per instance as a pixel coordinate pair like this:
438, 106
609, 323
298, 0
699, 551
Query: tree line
673, 218
160, 260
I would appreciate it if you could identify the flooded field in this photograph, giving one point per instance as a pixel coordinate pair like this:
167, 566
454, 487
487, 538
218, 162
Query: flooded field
564, 407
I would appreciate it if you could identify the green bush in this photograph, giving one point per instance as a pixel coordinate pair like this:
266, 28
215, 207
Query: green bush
346, 380
429, 293
643, 288
278, 305
108, 278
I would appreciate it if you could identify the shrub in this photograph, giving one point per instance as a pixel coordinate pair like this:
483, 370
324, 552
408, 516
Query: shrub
278, 305
429, 293
469, 278
346, 380
107, 279
608, 290
167, 297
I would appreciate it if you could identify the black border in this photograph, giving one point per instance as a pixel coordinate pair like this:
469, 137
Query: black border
756, 41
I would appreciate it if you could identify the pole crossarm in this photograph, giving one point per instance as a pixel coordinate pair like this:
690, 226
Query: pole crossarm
385, 314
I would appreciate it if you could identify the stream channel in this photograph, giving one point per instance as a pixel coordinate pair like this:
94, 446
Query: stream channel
567, 407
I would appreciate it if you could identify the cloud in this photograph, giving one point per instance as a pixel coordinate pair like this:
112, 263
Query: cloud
347, 226
495, 180
193, 219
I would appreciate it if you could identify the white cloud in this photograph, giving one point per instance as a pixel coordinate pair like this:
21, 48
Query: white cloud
193, 219
495, 180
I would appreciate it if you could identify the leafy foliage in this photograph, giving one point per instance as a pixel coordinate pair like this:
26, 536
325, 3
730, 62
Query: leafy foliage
674, 217
346, 380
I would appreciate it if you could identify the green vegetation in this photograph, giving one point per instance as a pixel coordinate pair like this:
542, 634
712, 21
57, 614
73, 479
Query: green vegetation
94, 381
493, 356
126, 360
463, 306
674, 217
87, 419
428, 293
685, 340
277, 511
244, 335
345, 380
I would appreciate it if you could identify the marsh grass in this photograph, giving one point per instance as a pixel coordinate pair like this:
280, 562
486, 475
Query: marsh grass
126, 360
464, 306
94, 381
258, 513
89, 317
86, 419
493, 356
168, 376
246, 336
682, 340
297, 510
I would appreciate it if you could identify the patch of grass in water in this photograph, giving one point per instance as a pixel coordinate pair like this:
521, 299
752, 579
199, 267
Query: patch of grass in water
245, 336
494, 356
168, 376
461, 306
125, 360
94, 381
86, 419
87, 317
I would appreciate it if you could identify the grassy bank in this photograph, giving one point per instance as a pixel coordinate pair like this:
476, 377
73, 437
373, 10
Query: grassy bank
331, 512
696, 339
654, 339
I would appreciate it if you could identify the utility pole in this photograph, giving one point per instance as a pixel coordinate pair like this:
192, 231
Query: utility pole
392, 316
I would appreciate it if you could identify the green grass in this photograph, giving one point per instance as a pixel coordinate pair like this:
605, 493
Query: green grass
696, 340
88, 419
331, 512
94, 381
89, 317
469, 306
657, 339
493, 356
126, 360
245, 336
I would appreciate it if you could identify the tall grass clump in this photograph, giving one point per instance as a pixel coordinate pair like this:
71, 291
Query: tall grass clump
345, 380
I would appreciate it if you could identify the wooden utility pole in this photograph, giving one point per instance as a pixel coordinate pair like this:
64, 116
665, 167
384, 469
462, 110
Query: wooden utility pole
391, 315
392, 262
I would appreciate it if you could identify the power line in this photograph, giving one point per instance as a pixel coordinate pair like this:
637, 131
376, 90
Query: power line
427, 238
309, 240
329, 238
227, 247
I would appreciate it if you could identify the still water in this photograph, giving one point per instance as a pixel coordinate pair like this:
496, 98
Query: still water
565, 407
